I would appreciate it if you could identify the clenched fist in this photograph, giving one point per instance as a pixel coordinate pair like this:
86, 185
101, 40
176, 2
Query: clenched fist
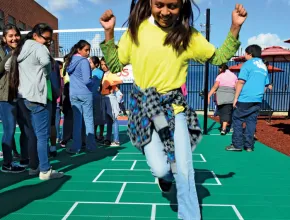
108, 20
239, 15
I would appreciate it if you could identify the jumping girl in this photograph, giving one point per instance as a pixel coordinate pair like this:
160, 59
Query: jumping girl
159, 43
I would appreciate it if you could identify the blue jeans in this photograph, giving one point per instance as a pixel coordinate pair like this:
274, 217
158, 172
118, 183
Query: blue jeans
188, 206
110, 126
82, 106
40, 118
28, 140
248, 113
8, 112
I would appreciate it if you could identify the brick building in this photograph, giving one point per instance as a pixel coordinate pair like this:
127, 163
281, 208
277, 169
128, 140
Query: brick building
25, 14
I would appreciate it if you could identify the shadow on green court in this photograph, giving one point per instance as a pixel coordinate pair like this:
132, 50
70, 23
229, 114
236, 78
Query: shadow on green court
17, 198
201, 177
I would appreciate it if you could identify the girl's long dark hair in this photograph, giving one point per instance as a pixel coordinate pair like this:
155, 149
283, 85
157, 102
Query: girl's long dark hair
74, 50
38, 29
180, 34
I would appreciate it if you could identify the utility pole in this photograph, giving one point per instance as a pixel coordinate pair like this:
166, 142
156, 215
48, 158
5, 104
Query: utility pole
206, 73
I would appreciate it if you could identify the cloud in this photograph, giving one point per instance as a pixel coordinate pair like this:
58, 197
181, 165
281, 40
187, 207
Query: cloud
58, 5
267, 40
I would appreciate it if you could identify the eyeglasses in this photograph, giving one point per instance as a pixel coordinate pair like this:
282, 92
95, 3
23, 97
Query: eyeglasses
48, 41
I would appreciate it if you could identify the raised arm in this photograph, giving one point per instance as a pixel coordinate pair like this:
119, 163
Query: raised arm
231, 44
116, 57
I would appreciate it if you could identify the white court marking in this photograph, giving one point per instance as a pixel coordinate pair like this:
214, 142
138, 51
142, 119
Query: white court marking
203, 160
218, 183
154, 207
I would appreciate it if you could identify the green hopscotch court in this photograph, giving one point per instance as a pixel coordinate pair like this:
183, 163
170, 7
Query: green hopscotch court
116, 183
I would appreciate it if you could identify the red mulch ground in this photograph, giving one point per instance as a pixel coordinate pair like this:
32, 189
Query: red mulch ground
275, 135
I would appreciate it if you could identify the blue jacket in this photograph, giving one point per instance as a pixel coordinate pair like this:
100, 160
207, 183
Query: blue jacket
79, 71
55, 80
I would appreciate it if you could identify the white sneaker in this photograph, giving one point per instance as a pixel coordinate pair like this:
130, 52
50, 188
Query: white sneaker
1, 154
50, 174
115, 144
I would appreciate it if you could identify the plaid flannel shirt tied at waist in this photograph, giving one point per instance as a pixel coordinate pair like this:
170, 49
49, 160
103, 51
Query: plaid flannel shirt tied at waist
151, 110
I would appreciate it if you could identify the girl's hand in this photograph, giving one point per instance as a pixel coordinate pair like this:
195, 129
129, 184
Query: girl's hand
108, 20
239, 15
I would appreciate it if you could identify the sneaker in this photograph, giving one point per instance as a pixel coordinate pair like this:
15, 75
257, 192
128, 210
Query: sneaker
50, 174
255, 137
12, 168
63, 144
164, 185
115, 144
33, 172
24, 163
1, 154
223, 132
248, 149
106, 143
233, 148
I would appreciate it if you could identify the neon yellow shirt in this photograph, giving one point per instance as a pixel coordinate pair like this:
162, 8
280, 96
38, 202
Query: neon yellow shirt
159, 66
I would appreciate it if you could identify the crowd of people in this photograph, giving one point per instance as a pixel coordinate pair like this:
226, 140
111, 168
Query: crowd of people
159, 42
36, 89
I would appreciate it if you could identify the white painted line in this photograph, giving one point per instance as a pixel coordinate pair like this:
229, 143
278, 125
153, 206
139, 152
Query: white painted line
157, 204
134, 163
153, 212
70, 211
154, 205
216, 179
129, 160
237, 212
142, 170
100, 174
121, 193
202, 157
218, 183
131, 153
153, 183
115, 157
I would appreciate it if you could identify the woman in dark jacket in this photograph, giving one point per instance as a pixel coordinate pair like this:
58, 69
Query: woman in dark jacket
8, 105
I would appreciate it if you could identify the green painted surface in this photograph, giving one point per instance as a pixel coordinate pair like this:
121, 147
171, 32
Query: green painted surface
256, 183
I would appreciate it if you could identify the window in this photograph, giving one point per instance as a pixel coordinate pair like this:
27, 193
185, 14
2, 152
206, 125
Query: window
1, 20
11, 20
21, 26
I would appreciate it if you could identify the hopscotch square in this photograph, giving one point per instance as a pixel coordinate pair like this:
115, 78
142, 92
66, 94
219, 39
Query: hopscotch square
197, 158
145, 177
103, 210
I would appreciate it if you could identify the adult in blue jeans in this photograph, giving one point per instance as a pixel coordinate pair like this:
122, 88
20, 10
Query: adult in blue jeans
81, 97
251, 86
30, 67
